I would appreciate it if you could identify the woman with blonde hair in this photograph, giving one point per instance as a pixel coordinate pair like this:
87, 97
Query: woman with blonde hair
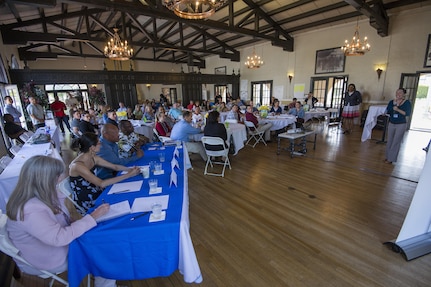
39, 223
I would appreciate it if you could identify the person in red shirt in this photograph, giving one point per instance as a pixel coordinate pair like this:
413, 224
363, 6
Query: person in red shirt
58, 108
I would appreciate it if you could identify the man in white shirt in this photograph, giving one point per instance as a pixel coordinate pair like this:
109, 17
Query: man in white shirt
36, 113
197, 117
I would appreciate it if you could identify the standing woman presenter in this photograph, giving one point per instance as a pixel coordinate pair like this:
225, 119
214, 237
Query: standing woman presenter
352, 100
398, 109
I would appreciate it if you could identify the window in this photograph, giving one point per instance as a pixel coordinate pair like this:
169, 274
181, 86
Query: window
329, 90
261, 92
62, 91
222, 91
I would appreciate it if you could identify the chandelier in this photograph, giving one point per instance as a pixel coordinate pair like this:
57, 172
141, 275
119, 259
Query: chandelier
253, 61
194, 9
115, 49
356, 47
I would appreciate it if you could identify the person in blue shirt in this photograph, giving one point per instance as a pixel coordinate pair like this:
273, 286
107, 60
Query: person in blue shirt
181, 132
299, 112
10, 109
398, 109
175, 112
109, 151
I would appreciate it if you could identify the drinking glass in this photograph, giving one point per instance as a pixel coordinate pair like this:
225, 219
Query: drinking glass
156, 209
153, 185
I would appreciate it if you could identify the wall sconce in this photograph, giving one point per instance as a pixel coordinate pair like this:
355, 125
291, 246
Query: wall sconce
148, 86
290, 78
379, 73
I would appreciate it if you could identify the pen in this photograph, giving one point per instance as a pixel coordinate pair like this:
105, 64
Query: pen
121, 191
140, 215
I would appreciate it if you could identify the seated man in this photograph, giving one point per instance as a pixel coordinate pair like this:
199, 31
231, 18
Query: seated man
75, 123
129, 142
112, 118
183, 129
197, 117
12, 129
174, 112
249, 116
234, 114
85, 126
109, 151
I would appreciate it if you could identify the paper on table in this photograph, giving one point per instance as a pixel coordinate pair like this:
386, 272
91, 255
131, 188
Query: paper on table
142, 204
116, 210
161, 218
126, 187
156, 191
173, 179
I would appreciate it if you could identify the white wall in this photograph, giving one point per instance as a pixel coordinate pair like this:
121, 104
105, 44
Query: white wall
403, 51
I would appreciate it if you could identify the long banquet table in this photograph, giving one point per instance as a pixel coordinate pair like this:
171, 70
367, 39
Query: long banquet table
123, 249
9, 177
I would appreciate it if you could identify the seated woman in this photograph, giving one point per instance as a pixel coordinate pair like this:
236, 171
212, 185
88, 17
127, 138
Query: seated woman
299, 112
162, 127
149, 113
276, 109
38, 221
215, 129
137, 113
85, 184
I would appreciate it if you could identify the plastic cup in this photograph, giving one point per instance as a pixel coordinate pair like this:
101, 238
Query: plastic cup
157, 167
145, 170
156, 209
153, 185
162, 157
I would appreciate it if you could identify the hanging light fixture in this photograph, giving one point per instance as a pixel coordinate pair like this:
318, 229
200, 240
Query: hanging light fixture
115, 49
194, 9
356, 47
254, 61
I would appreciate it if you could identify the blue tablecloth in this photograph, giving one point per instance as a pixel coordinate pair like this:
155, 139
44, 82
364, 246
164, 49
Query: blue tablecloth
131, 250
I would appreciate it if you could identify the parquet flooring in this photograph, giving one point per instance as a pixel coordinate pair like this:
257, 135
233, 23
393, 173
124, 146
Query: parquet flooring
314, 220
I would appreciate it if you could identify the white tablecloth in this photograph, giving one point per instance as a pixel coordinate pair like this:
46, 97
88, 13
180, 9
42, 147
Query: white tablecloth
145, 129
238, 133
9, 177
316, 114
278, 122
371, 121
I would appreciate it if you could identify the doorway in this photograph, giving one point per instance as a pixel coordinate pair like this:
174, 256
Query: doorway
421, 115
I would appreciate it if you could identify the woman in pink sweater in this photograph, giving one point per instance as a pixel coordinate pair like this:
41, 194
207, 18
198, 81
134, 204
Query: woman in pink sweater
39, 223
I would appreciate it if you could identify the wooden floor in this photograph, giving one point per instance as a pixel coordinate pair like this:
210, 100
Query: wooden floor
315, 220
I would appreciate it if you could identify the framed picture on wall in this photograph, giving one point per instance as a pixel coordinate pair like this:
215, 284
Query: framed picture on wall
427, 62
220, 70
330, 61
